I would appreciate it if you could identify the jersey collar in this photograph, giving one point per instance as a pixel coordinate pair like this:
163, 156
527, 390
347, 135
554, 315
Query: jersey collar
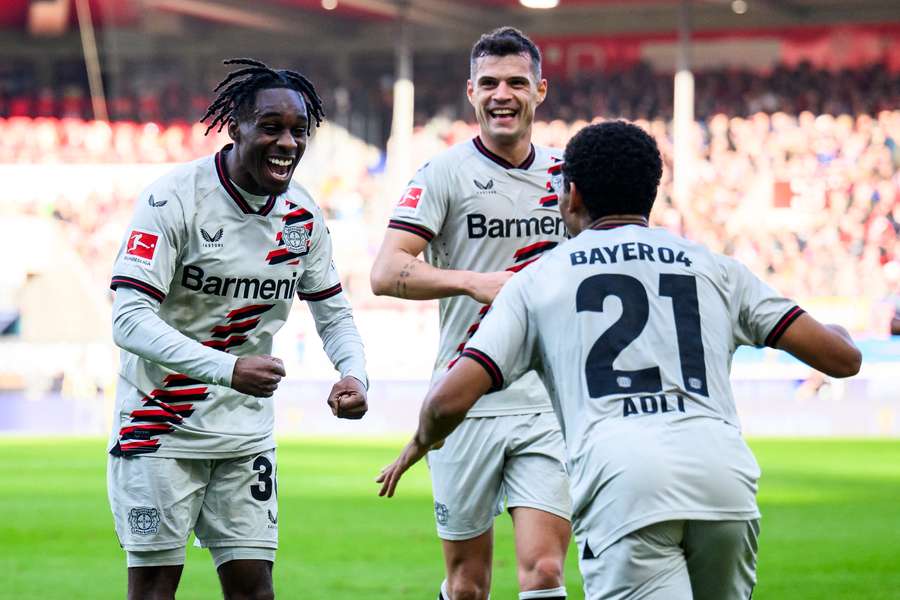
479, 145
612, 223
232, 191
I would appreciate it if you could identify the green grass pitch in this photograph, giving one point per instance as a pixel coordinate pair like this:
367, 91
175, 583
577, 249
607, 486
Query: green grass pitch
831, 524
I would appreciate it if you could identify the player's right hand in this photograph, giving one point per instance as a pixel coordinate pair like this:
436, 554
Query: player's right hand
257, 375
391, 474
486, 286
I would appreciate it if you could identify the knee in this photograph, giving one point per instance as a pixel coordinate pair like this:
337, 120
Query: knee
543, 573
467, 589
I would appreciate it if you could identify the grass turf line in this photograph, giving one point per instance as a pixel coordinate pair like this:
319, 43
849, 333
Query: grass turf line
830, 529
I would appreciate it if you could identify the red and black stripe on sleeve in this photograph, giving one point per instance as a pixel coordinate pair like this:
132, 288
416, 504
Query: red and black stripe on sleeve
136, 284
321, 295
418, 230
782, 325
489, 365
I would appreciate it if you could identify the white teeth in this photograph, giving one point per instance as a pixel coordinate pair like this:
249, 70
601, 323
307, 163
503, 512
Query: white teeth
503, 112
281, 162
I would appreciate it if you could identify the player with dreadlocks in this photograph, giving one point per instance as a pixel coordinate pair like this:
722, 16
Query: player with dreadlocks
205, 276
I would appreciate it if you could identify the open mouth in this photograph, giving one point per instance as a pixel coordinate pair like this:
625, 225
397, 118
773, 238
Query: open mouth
502, 115
279, 168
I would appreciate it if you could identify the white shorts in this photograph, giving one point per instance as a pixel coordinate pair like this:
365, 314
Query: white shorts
676, 560
228, 503
517, 457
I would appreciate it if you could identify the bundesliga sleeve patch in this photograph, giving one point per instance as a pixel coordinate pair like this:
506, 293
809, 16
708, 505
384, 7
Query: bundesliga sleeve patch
141, 247
411, 197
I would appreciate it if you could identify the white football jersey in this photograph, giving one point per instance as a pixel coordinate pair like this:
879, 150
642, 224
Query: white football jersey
225, 275
633, 331
480, 213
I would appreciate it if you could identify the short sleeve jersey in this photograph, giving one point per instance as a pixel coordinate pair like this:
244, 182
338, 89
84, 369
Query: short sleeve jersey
480, 213
633, 331
225, 275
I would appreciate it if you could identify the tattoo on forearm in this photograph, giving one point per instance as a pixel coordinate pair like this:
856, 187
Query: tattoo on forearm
405, 273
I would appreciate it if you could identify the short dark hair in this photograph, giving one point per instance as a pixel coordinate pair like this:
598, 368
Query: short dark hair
616, 166
504, 41
237, 92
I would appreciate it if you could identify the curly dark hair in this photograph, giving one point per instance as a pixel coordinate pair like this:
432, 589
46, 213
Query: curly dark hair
238, 91
616, 166
504, 41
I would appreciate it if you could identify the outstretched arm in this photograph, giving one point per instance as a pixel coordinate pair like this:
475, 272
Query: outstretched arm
826, 348
397, 271
444, 409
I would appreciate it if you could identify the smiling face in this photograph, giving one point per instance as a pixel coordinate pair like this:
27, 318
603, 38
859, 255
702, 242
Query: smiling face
505, 93
269, 140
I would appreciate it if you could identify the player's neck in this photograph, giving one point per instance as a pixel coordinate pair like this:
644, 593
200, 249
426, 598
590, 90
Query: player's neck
612, 220
514, 153
239, 176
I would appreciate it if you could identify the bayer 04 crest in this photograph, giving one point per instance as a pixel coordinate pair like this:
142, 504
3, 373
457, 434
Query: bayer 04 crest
296, 237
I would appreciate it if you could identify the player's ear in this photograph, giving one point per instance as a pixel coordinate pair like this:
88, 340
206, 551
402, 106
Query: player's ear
470, 91
233, 130
575, 206
541, 90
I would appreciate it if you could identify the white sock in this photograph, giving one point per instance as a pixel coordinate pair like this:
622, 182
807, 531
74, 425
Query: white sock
557, 592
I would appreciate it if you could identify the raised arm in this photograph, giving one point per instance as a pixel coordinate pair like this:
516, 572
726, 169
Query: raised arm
826, 348
399, 272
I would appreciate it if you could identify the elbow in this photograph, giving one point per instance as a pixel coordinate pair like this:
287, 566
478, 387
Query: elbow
119, 337
123, 326
444, 410
845, 365
850, 363
379, 280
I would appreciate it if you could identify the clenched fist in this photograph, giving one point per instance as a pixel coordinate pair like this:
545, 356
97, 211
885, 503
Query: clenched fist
348, 399
257, 375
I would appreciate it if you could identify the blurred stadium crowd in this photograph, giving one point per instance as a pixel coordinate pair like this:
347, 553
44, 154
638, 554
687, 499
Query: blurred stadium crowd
796, 170
157, 93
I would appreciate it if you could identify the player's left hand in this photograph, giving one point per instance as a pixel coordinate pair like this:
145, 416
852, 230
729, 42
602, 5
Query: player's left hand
392, 473
348, 399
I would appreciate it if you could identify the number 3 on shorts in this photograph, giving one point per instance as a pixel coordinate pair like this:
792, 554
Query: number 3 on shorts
268, 483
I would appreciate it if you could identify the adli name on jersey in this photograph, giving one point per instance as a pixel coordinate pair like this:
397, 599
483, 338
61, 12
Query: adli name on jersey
296, 238
212, 241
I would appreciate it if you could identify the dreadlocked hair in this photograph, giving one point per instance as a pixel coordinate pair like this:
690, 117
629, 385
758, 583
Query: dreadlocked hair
240, 87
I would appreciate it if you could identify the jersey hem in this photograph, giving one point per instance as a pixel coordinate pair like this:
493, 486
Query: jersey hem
700, 515
203, 455
509, 412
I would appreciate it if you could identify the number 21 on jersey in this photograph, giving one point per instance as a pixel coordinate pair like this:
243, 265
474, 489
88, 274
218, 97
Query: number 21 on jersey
602, 379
